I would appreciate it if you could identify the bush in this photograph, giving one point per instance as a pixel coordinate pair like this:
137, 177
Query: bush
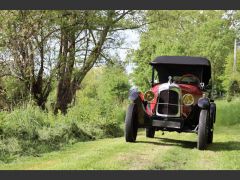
31, 131
9, 148
36, 131
228, 112
97, 123
98, 112
24, 122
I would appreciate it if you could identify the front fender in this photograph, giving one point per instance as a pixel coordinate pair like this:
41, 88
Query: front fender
137, 98
203, 103
133, 94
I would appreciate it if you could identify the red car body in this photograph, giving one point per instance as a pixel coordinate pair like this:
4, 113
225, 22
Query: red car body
179, 101
186, 89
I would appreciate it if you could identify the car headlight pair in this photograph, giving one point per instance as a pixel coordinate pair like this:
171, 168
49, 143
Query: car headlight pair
188, 99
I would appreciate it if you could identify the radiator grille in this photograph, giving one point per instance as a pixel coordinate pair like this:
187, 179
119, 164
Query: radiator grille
168, 102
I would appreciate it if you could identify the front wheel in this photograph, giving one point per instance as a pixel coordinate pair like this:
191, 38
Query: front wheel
211, 123
203, 130
150, 132
131, 123
210, 137
210, 131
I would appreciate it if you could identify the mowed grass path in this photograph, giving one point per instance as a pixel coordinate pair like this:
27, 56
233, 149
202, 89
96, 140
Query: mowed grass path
168, 151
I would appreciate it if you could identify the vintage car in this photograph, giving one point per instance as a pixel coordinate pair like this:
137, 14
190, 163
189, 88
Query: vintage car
179, 100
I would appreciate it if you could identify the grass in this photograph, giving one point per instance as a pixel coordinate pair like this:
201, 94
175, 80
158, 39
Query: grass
228, 112
30, 131
222, 154
169, 151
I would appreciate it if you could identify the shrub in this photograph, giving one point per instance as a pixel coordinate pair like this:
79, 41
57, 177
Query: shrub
24, 122
228, 112
9, 148
31, 131
97, 113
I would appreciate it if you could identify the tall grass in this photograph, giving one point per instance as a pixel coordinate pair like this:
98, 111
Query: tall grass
228, 113
30, 131
97, 112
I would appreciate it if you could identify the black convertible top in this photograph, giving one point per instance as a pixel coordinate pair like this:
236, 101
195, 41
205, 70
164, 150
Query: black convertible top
181, 60
180, 65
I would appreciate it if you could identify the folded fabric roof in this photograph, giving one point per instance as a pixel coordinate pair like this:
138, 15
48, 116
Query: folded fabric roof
181, 60
180, 65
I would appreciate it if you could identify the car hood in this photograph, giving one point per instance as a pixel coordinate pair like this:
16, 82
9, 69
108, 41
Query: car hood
186, 88
192, 89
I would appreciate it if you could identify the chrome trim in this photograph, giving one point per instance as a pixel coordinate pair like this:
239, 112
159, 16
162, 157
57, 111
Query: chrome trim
172, 87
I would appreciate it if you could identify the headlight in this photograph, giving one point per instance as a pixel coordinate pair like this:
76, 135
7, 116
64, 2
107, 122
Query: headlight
188, 99
149, 96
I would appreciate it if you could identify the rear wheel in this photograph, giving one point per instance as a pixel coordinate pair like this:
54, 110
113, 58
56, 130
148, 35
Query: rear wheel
203, 130
150, 132
131, 123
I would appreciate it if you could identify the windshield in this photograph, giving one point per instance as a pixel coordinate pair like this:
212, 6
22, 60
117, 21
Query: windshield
186, 79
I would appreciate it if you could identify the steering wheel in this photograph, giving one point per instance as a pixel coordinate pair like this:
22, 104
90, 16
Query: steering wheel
188, 75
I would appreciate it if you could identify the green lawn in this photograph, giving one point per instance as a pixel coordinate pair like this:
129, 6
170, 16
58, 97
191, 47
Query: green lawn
169, 151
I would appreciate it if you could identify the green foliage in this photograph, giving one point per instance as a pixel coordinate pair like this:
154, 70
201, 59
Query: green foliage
35, 131
101, 101
231, 80
190, 33
98, 112
228, 112
15, 91
9, 148
2, 97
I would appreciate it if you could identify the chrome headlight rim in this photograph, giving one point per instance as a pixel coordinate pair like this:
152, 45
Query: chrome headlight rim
189, 101
149, 96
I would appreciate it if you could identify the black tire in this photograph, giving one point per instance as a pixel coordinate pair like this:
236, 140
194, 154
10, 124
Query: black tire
210, 131
150, 132
211, 123
203, 130
210, 137
131, 123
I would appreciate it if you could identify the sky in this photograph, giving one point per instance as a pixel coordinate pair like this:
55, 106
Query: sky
132, 42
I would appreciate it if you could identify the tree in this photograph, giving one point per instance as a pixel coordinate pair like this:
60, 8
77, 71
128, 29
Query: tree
27, 47
85, 36
39, 47
231, 79
188, 33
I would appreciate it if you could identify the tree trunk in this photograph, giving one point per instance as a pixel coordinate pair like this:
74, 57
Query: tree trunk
69, 83
66, 59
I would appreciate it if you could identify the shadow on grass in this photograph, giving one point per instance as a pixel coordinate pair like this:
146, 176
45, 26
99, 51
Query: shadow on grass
172, 142
216, 146
224, 146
